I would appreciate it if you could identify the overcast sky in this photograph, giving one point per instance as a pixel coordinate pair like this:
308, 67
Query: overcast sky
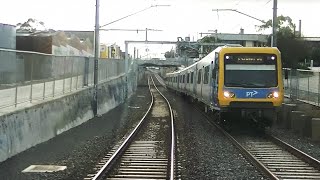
183, 17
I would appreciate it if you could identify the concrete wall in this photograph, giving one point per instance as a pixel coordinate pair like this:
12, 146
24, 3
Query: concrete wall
25, 128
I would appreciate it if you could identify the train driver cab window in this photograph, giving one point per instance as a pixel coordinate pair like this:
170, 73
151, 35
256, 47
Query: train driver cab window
206, 75
199, 76
191, 80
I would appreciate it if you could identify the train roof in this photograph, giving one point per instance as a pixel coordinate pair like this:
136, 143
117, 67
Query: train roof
230, 48
250, 49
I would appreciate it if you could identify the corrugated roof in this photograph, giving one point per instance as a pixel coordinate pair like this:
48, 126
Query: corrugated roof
242, 37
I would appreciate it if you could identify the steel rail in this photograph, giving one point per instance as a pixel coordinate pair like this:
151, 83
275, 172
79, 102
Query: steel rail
173, 137
107, 166
242, 149
303, 157
296, 152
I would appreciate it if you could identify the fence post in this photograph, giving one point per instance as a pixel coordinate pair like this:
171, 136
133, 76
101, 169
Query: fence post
86, 72
64, 73
298, 83
31, 79
77, 73
290, 85
53, 86
308, 87
71, 75
16, 96
44, 90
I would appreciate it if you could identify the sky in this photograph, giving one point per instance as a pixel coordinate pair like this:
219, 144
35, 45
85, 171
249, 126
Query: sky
181, 19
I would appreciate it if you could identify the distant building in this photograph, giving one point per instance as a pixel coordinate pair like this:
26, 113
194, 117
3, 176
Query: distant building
246, 40
56, 43
312, 41
7, 36
9, 66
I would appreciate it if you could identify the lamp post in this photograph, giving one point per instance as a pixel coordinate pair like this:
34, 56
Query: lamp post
96, 49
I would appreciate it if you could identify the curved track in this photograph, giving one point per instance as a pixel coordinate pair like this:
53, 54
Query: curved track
138, 156
275, 158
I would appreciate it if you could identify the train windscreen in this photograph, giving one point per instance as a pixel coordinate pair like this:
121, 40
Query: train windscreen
250, 70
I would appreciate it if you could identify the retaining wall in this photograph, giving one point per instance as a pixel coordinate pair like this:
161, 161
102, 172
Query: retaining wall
28, 127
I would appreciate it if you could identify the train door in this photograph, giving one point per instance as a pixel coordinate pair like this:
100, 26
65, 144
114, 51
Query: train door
192, 84
201, 81
187, 82
211, 81
184, 82
205, 84
177, 85
198, 82
215, 79
194, 81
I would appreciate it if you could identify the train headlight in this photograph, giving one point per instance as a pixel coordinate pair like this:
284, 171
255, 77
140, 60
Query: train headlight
273, 95
228, 94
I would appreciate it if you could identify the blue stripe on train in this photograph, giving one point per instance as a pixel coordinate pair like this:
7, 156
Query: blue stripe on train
251, 92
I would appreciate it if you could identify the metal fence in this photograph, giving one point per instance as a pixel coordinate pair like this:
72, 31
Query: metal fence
302, 85
27, 77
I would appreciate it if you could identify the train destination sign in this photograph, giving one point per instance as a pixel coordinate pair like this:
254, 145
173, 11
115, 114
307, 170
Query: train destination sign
249, 59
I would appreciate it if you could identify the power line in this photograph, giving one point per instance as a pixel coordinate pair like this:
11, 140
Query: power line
268, 2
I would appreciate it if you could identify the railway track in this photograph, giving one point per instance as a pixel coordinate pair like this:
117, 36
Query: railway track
275, 158
144, 154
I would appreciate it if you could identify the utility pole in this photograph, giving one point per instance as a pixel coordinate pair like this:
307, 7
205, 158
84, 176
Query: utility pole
300, 33
96, 58
274, 24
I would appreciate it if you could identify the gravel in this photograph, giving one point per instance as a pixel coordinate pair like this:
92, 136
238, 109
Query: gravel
204, 153
81, 147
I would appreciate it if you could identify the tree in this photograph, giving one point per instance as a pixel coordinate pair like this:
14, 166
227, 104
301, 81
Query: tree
169, 54
292, 49
208, 39
31, 25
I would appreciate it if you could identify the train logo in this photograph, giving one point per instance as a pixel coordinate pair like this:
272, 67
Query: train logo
251, 93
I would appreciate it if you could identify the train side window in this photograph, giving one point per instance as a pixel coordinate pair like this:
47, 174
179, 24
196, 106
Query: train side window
199, 76
206, 75
188, 76
191, 80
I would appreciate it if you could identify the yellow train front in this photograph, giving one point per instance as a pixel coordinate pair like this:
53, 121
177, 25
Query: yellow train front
235, 82
249, 83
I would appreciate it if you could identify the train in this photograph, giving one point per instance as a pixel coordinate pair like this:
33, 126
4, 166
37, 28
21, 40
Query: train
235, 82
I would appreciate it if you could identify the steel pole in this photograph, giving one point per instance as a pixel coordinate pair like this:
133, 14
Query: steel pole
274, 24
96, 57
126, 65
